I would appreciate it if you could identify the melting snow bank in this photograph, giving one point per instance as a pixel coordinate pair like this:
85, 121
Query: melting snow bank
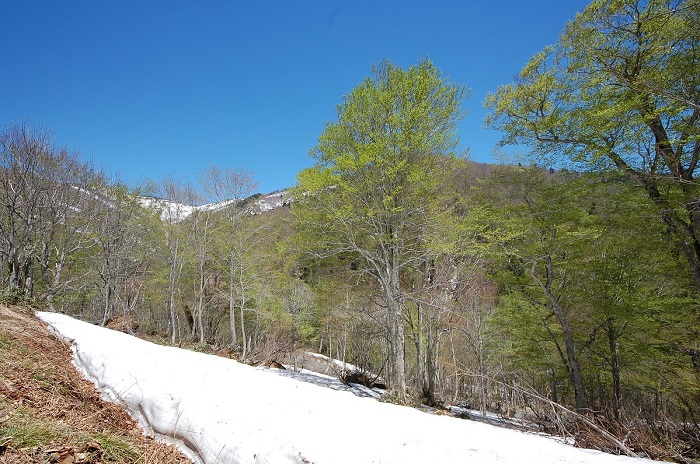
227, 412
327, 381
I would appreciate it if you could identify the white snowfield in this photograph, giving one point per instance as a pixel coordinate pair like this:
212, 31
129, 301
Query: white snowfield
172, 211
221, 411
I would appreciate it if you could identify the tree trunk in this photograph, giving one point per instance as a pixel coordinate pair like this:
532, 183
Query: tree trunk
482, 369
242, 297
171, 297
245, 341
429, 392
232, 304
453, 351
108, 295
615, 369
575, 375
420, 354
200, 304
396, 332
28, 275
14, 268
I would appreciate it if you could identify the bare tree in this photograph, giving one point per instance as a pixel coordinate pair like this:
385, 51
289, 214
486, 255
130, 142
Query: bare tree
235, 186
25, 158
70, 207
177, 206
115, 231
45, 193
202, 226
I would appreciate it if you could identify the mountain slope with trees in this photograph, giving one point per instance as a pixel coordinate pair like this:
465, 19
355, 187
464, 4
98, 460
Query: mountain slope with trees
563, 291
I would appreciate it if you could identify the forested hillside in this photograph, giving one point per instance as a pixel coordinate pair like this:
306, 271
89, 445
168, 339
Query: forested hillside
564, 290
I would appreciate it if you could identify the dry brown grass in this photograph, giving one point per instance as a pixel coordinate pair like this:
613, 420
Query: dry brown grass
50, 414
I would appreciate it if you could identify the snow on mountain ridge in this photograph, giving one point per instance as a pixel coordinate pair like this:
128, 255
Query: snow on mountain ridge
272, 201
173, 211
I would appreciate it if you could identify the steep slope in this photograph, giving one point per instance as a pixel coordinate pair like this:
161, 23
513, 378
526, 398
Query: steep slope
224, 411
49, 413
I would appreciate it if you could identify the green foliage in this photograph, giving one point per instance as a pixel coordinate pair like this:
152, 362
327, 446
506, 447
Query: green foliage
16, 296
114, 447
618, 66
613, 273
620, 91
381, 167
377, 190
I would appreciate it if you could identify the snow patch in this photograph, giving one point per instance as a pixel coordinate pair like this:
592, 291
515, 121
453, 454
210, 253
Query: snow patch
172, 211
221, 411
272, 201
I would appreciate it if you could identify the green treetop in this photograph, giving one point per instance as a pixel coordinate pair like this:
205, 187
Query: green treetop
620, 90
374, 190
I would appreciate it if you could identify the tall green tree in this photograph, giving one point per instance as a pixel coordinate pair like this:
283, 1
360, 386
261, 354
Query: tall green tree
549, 230
588, 298
621, 91
375, 187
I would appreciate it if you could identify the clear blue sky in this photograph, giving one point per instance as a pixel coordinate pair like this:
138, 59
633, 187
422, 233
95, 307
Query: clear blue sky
147, 89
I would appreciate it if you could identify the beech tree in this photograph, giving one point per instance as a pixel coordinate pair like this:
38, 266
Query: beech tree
203, 227
621, 91
26, 157
46, 203
374, 189
546, 229
234, 186
177, 240
70, 206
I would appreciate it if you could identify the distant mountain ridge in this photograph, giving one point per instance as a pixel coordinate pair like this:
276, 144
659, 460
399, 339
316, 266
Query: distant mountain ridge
173, 211
262, 203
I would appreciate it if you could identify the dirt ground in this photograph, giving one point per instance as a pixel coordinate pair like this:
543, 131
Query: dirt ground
50, 414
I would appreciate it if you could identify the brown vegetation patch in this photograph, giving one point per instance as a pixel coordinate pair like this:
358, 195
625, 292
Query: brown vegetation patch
272, 364
49, 413
124, 323
361, 378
